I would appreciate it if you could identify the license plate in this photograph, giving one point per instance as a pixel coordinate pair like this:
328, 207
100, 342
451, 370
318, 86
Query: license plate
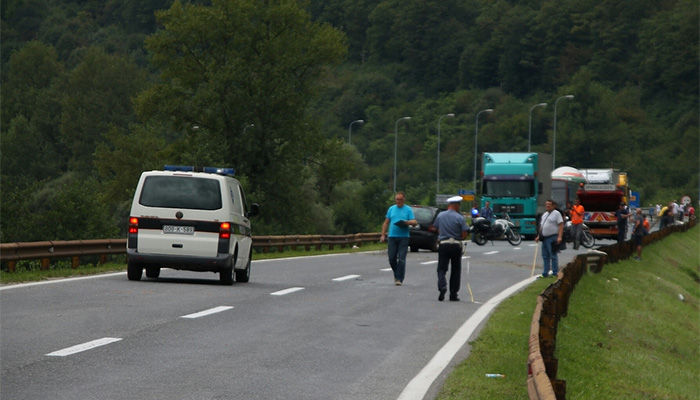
179, 230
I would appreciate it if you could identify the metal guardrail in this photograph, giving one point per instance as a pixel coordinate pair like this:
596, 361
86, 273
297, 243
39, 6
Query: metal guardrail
74, 249
552, 305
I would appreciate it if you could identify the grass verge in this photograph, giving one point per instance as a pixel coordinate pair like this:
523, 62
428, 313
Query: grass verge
628, 334
30, 270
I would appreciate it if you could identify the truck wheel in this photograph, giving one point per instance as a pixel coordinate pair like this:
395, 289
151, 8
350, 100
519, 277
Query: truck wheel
134, 271
243, 275
480, 239
152, 271
514, 237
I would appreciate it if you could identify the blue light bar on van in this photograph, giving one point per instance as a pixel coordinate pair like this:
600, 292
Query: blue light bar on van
211, 170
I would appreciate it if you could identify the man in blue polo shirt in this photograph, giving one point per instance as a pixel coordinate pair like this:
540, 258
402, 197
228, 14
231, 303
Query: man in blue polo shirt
452, 229
398, 218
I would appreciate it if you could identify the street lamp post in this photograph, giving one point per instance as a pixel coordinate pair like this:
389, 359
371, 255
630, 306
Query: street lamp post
529, 132
358, 121
437, 185
554, 137
476, 141
396, 145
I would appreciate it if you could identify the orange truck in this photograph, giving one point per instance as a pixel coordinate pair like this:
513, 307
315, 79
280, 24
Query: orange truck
601, 196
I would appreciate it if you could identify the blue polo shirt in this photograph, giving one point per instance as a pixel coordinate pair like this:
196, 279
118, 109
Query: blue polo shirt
395, 214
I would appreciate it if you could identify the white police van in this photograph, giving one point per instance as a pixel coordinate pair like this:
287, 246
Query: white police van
190, 218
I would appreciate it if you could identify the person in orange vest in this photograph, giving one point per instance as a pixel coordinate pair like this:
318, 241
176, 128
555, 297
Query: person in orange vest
647, 226
576, 213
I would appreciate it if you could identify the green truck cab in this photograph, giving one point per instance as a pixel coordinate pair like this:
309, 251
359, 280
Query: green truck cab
519, 184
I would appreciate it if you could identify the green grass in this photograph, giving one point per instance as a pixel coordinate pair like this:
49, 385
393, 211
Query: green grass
30, 270
627, 334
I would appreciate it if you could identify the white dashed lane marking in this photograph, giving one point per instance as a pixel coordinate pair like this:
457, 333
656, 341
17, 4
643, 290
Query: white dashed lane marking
207, 312
345, 278
287, 291
83, 347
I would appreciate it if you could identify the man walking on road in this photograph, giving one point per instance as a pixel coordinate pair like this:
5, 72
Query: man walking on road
452, 229
551, 231
398, 218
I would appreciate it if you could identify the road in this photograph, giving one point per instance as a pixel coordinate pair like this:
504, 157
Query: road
325, 327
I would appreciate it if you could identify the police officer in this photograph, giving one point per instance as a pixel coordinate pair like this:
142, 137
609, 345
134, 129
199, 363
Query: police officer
452, 229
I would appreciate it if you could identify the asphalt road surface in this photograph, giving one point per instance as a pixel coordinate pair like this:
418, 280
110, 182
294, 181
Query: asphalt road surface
325, 327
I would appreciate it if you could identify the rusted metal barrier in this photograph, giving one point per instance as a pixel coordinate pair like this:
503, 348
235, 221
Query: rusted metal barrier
74, 249
553, 303
265, 243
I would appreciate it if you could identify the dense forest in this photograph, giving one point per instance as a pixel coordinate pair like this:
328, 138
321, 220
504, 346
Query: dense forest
95, 92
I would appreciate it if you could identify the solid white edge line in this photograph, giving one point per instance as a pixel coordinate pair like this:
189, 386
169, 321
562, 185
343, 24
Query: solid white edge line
80, 278
83, 347
287, 291
345, 278
207, 312
419, 385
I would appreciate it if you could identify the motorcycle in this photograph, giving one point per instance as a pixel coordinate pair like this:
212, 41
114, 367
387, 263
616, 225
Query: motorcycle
501, 228
587, 240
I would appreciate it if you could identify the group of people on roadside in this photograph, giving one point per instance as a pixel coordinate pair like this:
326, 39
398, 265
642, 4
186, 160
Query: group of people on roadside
452, 229
668, 215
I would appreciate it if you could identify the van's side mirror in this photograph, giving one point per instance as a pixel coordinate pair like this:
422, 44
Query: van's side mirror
254, 210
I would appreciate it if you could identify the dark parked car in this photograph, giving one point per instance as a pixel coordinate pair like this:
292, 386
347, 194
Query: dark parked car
424, 235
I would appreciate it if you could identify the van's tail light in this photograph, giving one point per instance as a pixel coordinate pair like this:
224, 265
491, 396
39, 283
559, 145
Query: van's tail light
225, 230
432, 229
133, 225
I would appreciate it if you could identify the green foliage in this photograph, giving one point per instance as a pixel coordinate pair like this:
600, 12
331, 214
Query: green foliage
95, 97
266, 87
237, 63
67, 208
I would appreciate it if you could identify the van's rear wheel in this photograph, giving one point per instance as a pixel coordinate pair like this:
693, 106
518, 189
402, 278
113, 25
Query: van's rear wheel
226, 275
134, 271
243, 275
152, 271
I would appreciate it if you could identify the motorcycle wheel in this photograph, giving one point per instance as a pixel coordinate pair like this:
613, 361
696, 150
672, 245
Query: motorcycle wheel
480, 239
514, 237
587, 240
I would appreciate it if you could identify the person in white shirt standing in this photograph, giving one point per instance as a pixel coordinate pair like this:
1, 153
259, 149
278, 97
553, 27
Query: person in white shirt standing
550, 233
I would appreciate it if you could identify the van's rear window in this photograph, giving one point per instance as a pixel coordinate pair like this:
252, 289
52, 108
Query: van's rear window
181, 192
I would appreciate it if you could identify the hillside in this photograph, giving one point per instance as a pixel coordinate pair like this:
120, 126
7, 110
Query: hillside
94, 92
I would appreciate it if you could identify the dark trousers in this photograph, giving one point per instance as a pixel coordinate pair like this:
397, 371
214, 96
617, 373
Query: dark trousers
449, 253
621, 233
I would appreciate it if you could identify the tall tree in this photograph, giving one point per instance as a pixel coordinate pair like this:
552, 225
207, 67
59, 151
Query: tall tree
242, 62
96, 96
